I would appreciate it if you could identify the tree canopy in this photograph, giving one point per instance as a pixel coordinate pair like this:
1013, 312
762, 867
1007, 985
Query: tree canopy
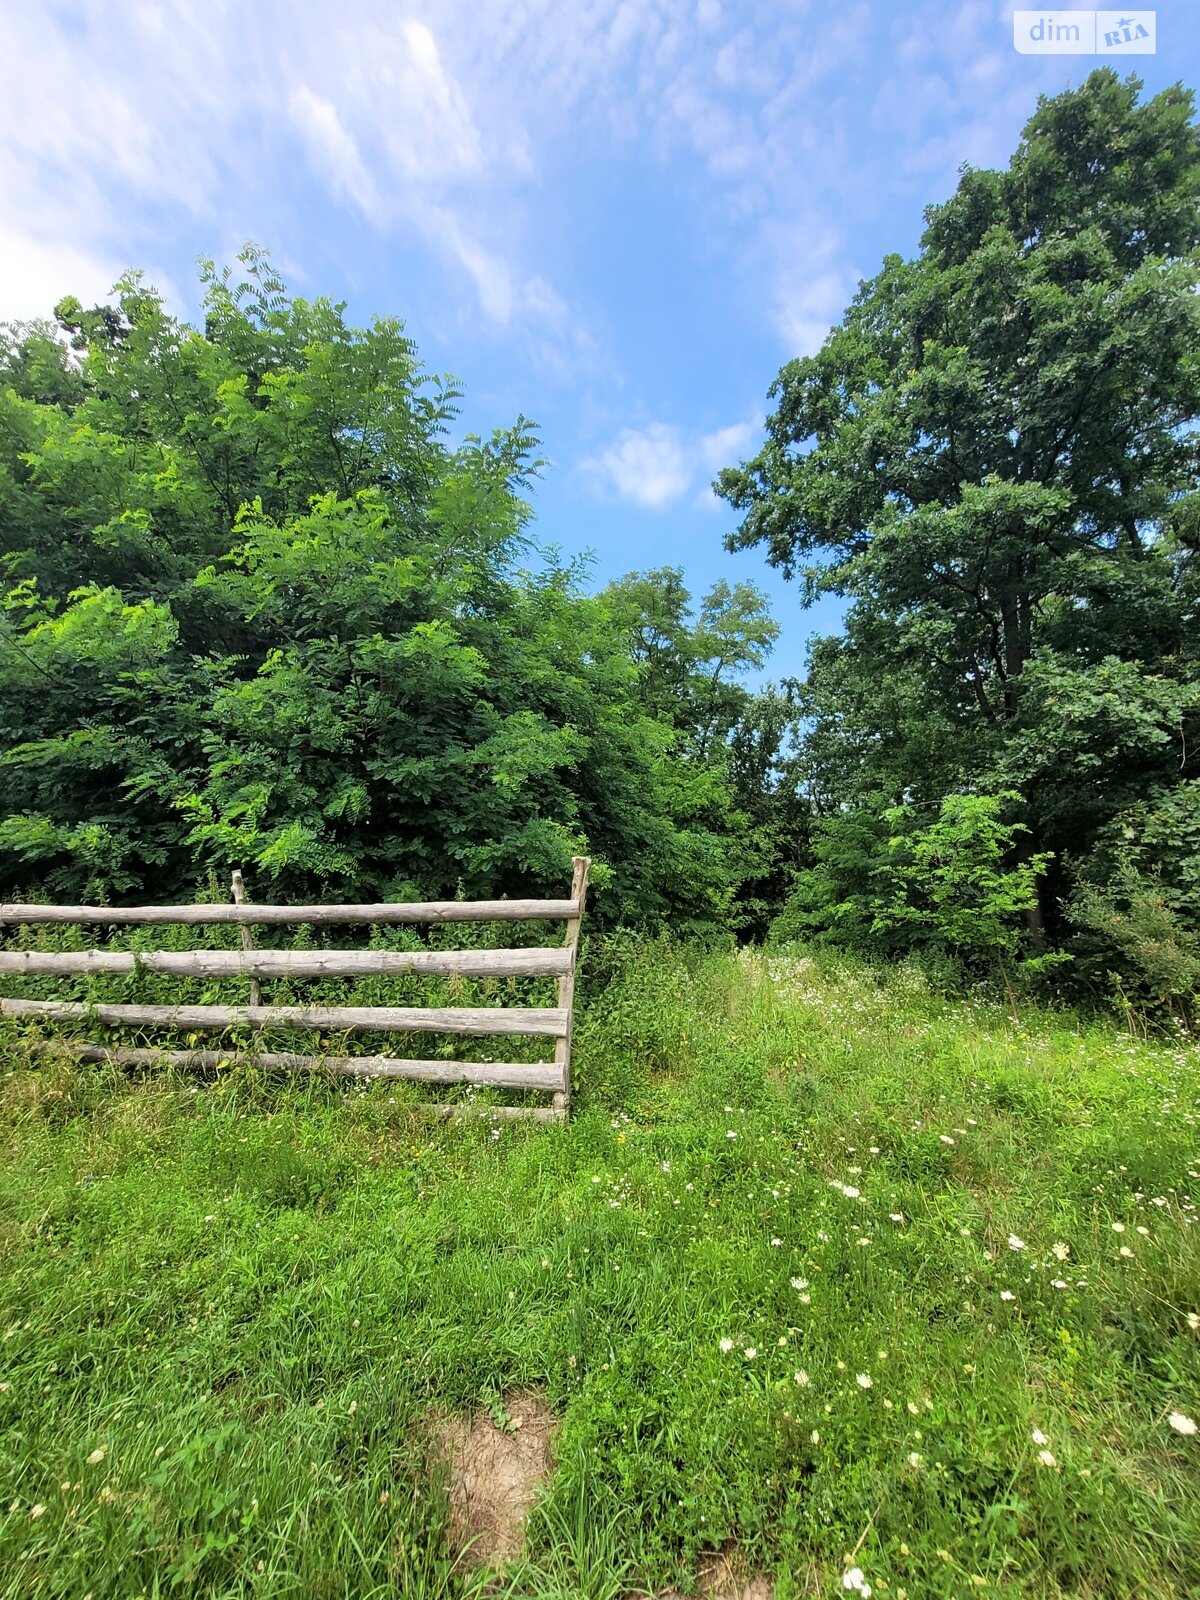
994, 458
260, 611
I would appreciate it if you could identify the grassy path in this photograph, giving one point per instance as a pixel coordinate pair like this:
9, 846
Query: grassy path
824, 1268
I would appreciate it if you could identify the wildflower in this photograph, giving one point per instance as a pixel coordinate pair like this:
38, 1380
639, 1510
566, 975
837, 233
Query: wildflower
802, 1379
1182, 1424
37, 1511
853, 1579
1014, 1243
1007, 1294
945, 1138
1126, 1251
915, 1458
1058, 1283
97, 1456
749, 1353
850, 1192
1060, 1251
1039, 1437
863, 1380
1118, 1227
730, 1134
1046, 1459
799, 1283
1145, 1232
912, 1408
776, 1243
726, 1346
815, 1436
896, 1216
1193, 1321
353, 1407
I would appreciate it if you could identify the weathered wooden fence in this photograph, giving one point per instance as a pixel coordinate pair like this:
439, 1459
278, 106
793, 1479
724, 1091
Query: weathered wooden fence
551, 1022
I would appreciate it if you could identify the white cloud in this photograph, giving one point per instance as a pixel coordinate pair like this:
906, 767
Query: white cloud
808, 308
332, 150
34, 275
657, 465
440, 123
648, 466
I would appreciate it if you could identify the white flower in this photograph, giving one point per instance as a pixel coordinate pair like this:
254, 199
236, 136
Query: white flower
802, 1379
726, 1346
915, 1458
749, 1352
1058, 1283
1182, 1424
1007, 1294
96, 1456
854, 1580
1061, 1251
815, 1436
1039, 1437
850, 1191
896, 1216
1046, 1459
37, 1511
945, 1138
799, 1283
1193, 1321
1014, 1243
1118, 1227
777, 1242
730, 1134
863, 1380
1126, 1251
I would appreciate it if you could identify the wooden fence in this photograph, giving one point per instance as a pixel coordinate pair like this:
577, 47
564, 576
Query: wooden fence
551, 1022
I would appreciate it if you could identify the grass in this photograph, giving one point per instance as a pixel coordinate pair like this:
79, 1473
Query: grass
819, 1264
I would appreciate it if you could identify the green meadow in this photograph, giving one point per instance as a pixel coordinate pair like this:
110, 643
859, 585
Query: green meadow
870, 1289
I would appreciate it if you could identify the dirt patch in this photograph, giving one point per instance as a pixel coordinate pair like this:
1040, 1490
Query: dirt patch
498, 1461
721, 1576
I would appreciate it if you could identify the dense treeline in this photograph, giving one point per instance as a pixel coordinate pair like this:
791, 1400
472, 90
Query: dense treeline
994, 457
258, 611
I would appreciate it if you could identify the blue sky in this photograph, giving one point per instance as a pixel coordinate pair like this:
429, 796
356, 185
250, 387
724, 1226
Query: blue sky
619, 217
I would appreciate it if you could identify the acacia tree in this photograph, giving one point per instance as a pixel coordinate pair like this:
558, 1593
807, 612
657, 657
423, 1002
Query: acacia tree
994, 457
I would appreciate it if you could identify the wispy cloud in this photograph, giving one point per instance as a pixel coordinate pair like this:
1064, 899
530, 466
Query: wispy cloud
333, 153
657, 465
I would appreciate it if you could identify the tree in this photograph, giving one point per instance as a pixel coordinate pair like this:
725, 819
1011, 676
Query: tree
261, 613
994, 457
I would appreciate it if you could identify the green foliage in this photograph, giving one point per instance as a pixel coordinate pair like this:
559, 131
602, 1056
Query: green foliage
261, 613
995, 458
1139, 898
889, 880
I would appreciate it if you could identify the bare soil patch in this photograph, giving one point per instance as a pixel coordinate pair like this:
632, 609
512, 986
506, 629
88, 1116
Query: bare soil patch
496, 1473
722, 1576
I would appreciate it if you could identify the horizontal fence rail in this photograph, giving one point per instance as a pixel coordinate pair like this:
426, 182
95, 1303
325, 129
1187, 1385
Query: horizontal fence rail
249, 963
533, 963
480, 1020
264, 915
493, 1074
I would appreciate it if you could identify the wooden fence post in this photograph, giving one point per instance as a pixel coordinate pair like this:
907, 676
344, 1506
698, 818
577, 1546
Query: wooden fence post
239, 895
566, 984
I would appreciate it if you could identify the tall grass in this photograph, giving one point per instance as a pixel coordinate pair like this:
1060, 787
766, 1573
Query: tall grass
824, 1266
